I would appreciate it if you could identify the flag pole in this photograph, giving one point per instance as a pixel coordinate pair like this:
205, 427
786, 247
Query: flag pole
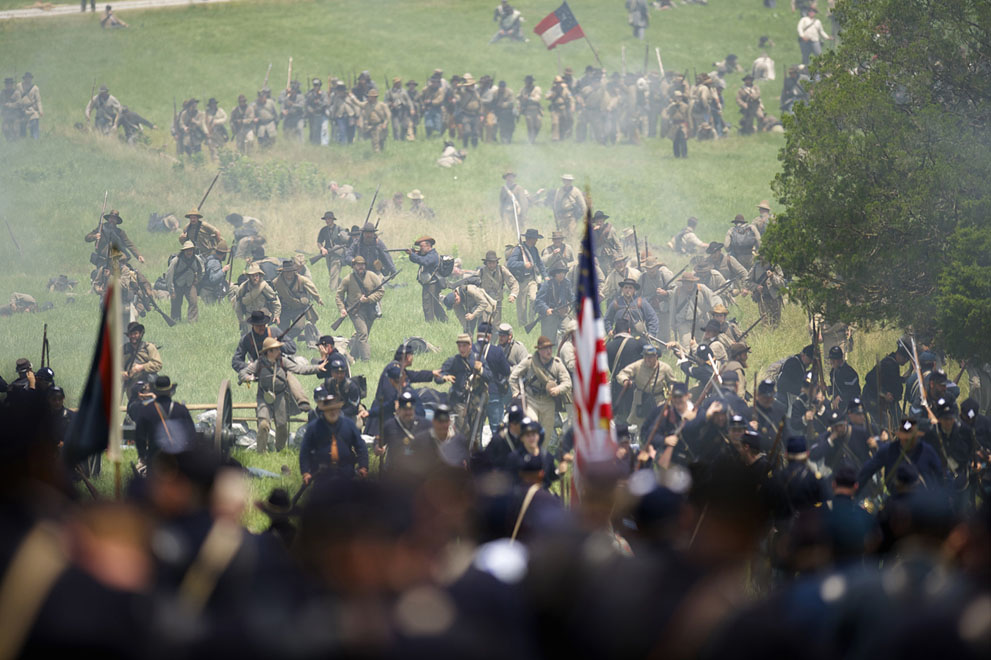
116, 352
594, 52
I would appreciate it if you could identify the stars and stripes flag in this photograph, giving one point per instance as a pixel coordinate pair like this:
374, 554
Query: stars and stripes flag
594, 438
559, 27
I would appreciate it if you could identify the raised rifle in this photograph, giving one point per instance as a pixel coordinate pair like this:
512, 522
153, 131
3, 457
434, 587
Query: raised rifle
695, 312
11, 232
265, 82
297, 320
175, 127
230, 264
752, 326
45, 357
664, 284
289, 75
776, 447
336, 324
207, 193
636, 246
660, 66
372, 205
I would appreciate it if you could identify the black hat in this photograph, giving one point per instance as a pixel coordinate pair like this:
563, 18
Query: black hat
739, 219
393, 371
484, 328
907, 424
599, 215
532, 233
796, 446
55, 391
442, 413
630, 282
134, 325
406, 400
558, 268
845, 475
835, 419
22, 365
328, 215
679, 389
515, 414
946, 407
338, 363
321, 393
531, 426
714, 247
855, 406
46, 373
766, 386
737, 422
163, 385
751, 439
836, 353
325, 340
809, 351
278, 505
703, 352
259, 317
969, 409
938, 376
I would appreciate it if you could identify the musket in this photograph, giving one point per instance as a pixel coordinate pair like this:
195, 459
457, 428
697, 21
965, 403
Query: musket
293, 324
94, 493
230, 264
175, 128
372, 205
11, 232
664, 284
752, 326
398, 250
646, 57
265, 83
657, 51
623, 50
299, 493
636, 246
776, 447
336, 324
45, 357
529, 326
150, 300
695, 312
289, 75
207, 193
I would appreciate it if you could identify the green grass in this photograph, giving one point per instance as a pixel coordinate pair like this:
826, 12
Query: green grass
52, 190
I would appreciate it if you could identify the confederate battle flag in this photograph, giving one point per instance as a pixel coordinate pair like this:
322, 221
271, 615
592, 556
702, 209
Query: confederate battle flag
559, 27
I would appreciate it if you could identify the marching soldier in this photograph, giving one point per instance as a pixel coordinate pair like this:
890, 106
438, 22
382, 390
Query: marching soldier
657, 284
108, 233
883, 385
765, 282
332, 446
249, 346
375, 119
543, 383
471, 305
29, 103
607, 246
243, 124
204, 236
468, 112
751, 107
141, 358
529, 99
742, 241
297, 293
430, 280
504, 104
182, 279
401, 110
569, 206
293, 112
495, 278
357, 298
395, 444
333, 242
277, 398
315, 104
191, 125
632, 307
620, 272
513, 348
562, 108
469, 376
682, 307
103, 109
255, 294
373, 250
649, 378
216, 127
514, 202
555, 301
266, 119
528, 268
559, 253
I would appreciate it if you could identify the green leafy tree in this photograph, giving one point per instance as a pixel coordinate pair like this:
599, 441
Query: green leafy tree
886, 175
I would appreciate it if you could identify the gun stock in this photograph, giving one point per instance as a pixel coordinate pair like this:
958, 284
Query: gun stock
336, 324
295, 321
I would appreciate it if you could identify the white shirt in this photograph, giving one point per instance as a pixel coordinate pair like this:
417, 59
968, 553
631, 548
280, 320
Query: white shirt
811, 29
763, 68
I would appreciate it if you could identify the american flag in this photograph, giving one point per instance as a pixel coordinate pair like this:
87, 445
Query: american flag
594, 438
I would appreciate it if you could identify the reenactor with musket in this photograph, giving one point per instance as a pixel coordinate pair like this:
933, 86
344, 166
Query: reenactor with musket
191, 127
375, 118
316, 103
215, 121
679, 123
265, 120
529, 100
632, 307
141, 358
543, 384
333, 242
514, 202
297, 294
562, 108
215, 285
255, 294
104, 109
569, 205
527, 267
559, 252
555, 301
504, 106
751, 107
249, 346
764, 283
374, 251
496, 278
657, 284
109, 233
468, 112
357, 297
182, 279
469, 376
471, 305
401, 110
428, 261
650, 379
243, 124
204, 236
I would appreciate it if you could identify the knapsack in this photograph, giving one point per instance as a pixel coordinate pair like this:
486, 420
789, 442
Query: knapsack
446, 266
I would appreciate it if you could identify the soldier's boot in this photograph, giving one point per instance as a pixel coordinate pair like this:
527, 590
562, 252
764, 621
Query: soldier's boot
281, 436
261, 443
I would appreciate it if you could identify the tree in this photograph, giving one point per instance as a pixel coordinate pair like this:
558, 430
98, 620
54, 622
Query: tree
886, 173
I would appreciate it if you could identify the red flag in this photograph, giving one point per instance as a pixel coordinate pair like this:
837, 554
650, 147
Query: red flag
594, 438
559, 27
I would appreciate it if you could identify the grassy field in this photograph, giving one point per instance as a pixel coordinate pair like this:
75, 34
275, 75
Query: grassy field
51, 191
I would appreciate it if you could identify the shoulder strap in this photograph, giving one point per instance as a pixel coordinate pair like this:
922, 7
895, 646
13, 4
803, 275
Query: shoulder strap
215, 555
523, 509
29, 579
615, 360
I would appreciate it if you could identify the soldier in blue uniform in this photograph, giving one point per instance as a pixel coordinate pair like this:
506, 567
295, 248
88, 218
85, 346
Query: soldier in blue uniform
373, 249
853, 531
768, 413
528, 268
844, 383
249, 347
803, 489
332, 445
344, 389
628, 305
397, 441
954, 443
504, 441
163, 425
842, 443
792, 375
497, 377
430, 280
907, 448
555, 301
885, 388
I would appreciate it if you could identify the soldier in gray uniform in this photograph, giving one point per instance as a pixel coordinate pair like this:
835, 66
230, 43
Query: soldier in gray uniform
182, 279
315, 104
266, 119
103, 109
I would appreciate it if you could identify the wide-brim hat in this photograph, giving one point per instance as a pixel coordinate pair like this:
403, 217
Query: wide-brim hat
270, 343
630, 282
113, 214
567, 177
368, 227
222, 247
429, 239
187, 245
328, 215
557, 268
372, 92
651, 263
714, 247
134, 325
415, 194
278, 506
195, 213
557, 234
258, 317
532, 233
288, 267
738, 348
599, 215
253, 269
689, 276
359, 260
720, 309
764, 205
491, 256
544, 342
508, 173
163, 385
739, 219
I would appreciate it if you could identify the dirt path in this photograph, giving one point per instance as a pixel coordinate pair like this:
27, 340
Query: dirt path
120, 8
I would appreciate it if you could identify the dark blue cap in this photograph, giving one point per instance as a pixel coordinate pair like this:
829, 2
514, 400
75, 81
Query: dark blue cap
766, 386
393, 371
796, 445
406, 400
